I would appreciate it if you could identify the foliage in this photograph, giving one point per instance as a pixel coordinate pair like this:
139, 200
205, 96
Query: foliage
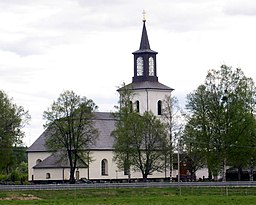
172, 117
122, 144
140, 141
220, 121
69, 122
12, 119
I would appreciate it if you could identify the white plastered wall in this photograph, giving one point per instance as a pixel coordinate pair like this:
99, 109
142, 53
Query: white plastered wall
148, 99
32, 159
94, 168
113, 171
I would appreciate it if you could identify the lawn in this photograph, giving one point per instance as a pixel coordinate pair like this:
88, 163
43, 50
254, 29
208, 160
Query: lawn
140, 196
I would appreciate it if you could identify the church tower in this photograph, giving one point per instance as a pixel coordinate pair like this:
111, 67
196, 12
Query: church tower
144, 60
149, 94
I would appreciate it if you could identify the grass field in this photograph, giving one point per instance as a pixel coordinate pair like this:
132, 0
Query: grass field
140, 196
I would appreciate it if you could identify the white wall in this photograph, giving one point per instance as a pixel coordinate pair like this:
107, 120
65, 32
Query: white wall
32, 158
148, 99
57, 173
113, 171
94, 168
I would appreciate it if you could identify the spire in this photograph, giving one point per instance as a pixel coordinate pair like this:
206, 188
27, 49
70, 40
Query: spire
144, 59
144, 43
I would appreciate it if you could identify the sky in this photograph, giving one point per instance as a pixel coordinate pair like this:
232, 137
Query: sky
48, 46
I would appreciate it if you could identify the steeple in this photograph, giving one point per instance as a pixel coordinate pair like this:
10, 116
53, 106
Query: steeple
144, 43
144, 59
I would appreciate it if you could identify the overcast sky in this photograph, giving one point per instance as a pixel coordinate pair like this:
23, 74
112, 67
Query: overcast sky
48, 46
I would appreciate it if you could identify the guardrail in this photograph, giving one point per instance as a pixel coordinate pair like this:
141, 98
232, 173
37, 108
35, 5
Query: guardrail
128, 185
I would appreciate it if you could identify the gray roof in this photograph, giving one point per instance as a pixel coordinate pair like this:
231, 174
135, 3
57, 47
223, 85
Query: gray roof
56, 161
147, 85
104, 122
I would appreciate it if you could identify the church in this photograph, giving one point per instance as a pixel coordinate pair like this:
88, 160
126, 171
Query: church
149, 95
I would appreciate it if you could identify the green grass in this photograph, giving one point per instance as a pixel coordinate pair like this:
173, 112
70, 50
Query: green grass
140, 196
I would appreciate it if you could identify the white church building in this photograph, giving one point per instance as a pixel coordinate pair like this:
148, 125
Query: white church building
148, 96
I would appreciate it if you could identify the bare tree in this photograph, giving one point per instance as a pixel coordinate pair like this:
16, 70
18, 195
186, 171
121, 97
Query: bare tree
69, 121
172, 117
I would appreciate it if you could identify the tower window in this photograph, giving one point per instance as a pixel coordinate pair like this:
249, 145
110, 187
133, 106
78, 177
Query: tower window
137, 106
159, 107
151, 66
104, 167
139, 66
130, 106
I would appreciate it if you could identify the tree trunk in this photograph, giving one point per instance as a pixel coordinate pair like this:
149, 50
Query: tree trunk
171, 165
145, 176
209, 174
251, 174
72, 179
239, 173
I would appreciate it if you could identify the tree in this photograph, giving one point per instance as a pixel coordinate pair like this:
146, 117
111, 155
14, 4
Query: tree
19, 156
197, 134
149, 144
122, 145
69, 121
220, 119
140, 140
12, 119
172, 118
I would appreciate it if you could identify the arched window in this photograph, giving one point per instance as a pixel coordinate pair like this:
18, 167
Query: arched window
151, 66
126, 167
48, 175
130, 106
137, 106
139, 66
159, 107
77, 175
104, 167
38, 161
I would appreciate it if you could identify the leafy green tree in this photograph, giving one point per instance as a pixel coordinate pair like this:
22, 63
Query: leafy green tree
12, 119
198, 132
140, 140
149, 144
122, 145
19, 156
220, 119
69, 121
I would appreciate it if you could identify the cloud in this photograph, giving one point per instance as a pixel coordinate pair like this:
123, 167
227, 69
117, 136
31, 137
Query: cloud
25, 47
186, 16
16, 75
245, 7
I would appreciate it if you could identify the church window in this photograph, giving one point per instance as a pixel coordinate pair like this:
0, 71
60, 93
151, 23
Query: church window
126, 168
159, 107
151, 66
77, 175
137, 106
38, 161
48, 175
139, 66
130, 106
104, 167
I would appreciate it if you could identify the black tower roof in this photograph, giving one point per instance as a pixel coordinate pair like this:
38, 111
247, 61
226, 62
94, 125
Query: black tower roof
144, 42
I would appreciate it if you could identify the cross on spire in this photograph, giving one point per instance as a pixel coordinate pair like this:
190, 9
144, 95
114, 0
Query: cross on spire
144, 15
